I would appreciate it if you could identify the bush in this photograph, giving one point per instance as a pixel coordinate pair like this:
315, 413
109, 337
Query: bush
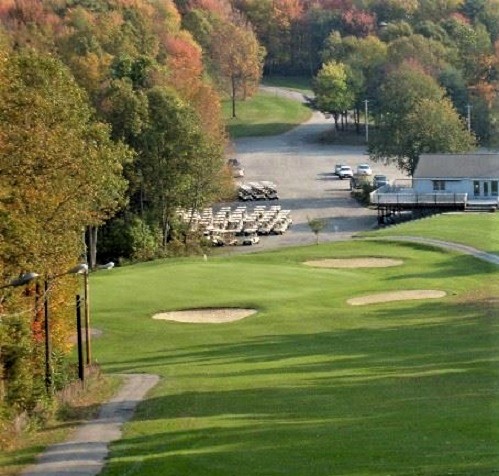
362, 194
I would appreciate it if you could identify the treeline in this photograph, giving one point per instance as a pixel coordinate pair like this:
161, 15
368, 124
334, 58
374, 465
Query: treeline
110, 119
429, 69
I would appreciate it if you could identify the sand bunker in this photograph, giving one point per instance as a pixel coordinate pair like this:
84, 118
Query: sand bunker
206, 316
397, 296
354, 263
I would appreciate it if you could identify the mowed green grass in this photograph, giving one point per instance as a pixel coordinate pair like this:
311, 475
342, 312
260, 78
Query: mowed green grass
480, 230
264, 115
309, 385
297, 83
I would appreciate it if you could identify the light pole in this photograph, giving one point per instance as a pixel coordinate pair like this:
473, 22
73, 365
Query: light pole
468, 116
83, 269
366, 101
78, 269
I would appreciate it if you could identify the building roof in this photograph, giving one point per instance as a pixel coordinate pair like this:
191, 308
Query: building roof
458, 166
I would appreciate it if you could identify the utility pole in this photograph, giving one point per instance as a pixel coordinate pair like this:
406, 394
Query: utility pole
366, 101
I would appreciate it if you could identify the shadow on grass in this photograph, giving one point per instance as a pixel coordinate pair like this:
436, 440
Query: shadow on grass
414, 396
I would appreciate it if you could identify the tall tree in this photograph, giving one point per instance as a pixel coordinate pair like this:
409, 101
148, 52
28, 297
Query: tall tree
333, 92
413, 117
239, 57
179, 165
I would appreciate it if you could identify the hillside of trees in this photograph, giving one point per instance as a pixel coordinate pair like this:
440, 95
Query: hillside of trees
110, 119
428, 68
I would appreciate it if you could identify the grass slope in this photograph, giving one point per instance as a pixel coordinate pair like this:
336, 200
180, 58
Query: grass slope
480, 230
296, 83
308, 385
263, 115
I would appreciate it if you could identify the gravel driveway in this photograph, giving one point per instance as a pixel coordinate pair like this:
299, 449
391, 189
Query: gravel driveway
302, 168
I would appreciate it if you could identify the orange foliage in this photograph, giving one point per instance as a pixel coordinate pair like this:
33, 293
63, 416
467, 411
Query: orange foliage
486, 91
6, 6
207, 103
285, 11
28, 11
221, 7
460, 18
184, 62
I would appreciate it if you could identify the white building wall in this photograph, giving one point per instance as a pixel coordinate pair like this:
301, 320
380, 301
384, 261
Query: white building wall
451, 186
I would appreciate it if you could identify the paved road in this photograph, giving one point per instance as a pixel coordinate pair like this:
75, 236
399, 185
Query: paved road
465, 249
302, 166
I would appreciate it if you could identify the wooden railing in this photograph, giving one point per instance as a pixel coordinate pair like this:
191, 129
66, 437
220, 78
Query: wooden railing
409, 197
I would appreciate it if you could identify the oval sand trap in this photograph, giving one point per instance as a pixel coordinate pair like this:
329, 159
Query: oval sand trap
354, 263
397, 296
206, 316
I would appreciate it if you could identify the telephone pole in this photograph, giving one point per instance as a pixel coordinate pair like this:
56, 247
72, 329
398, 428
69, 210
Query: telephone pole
366, 112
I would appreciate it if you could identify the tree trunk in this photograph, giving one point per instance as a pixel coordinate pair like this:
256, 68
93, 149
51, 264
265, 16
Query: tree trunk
233, 81
336, 125
92, 246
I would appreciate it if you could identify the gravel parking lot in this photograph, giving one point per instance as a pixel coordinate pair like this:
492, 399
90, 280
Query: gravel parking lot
302, 168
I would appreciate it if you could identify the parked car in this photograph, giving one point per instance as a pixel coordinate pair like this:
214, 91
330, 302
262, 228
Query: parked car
236, 167
364, 169
345, 172
380, 180
337, 168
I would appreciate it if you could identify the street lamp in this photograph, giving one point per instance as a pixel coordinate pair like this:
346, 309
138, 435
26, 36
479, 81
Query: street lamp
78, 269
366, 114
21, 280
83, 269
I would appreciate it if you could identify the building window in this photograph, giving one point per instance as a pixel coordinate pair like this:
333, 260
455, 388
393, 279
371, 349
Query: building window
485, 189
438, 185
494, 188
476, 188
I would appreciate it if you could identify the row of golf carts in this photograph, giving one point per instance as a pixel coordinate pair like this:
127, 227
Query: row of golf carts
263, 190
241, 226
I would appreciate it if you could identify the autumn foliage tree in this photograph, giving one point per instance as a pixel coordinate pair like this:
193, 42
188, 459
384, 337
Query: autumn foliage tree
238, 57
59, 171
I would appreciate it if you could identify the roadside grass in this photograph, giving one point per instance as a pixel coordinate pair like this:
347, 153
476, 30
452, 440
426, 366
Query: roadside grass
308, 385
480, 230
264, 115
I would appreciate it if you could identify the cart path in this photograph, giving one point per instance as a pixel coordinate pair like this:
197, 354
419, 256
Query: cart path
469, 250
85, 451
